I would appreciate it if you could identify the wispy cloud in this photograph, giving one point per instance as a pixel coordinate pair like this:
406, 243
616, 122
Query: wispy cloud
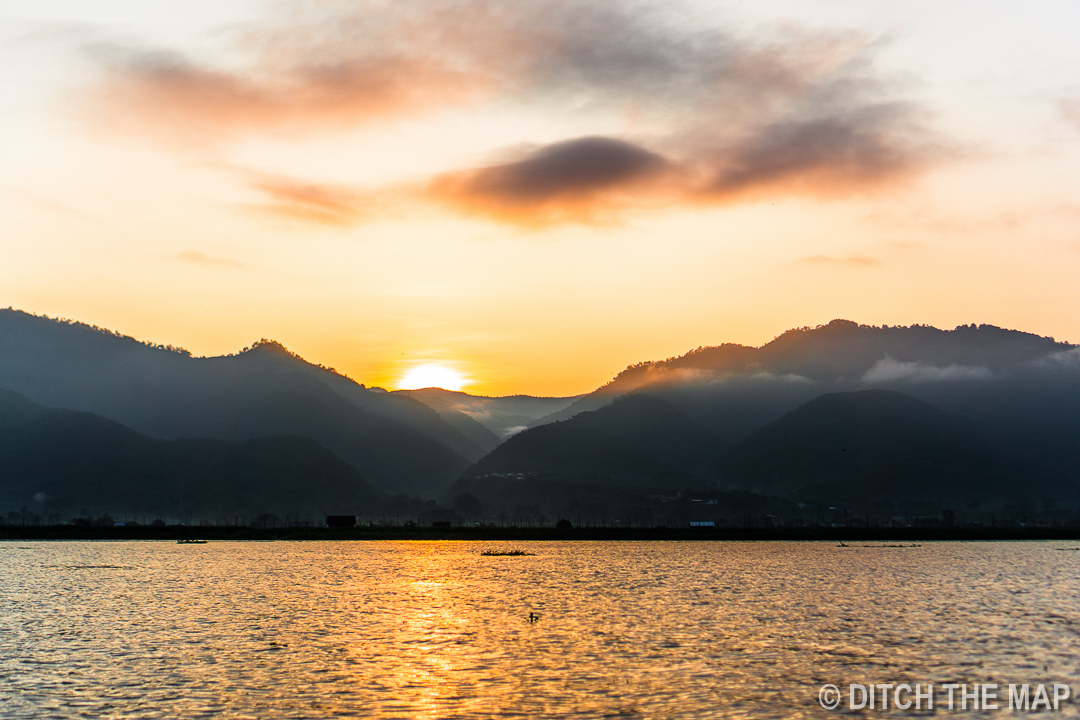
837, 155
1069, 108
1069, 359
736, 116
321, 203
855, 261
197, 258
888, 370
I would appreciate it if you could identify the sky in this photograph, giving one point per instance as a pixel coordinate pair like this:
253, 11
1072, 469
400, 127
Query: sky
534, 195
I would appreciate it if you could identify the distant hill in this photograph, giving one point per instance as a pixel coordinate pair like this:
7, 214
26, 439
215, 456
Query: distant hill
1021, 388
845, 350
878, 446
634, 436
455, 414
394, 441
76, 463
623, 457
841, 353
502, 416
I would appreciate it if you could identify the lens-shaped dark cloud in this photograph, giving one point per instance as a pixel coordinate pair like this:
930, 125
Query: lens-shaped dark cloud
576, 180
581, 166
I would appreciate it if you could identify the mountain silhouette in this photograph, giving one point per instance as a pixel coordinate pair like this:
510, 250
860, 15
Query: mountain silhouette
63, 461
1021, 388
879, 445
842, 353
635, 436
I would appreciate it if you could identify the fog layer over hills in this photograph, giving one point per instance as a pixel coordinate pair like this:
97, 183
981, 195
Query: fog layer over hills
501, 416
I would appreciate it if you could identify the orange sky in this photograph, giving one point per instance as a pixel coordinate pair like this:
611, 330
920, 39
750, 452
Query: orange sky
536, 195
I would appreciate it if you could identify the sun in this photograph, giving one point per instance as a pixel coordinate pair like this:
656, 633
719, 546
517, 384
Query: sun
425, 376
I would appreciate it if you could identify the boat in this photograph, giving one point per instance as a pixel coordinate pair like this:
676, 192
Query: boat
190, 542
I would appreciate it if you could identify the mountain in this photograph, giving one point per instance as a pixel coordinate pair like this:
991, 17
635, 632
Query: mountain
634, 436
455, 414
625, 455
877, 447
394, 441
77, 463
841, 352
1023, 388
845, 350
16, 409
502, 416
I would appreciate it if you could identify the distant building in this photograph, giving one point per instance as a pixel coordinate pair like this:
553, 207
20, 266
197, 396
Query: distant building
702, 523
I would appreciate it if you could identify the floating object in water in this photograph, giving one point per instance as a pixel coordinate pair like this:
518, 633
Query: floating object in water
842, 544
190, 542
506, 553
533, 617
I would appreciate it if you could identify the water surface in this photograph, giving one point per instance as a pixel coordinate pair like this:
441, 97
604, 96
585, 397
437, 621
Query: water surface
434, 630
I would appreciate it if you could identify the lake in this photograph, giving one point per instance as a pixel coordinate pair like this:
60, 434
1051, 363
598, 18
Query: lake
435, 630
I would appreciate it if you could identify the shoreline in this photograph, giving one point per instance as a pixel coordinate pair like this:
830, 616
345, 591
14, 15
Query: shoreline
505, 534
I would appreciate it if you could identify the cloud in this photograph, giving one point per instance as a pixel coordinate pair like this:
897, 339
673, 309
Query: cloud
1069, 108
784, 379
888, 370
593, 178
321, 203
198, 258
829, 156
174, 98
584, 179
857, 261
1069, 359
732, 116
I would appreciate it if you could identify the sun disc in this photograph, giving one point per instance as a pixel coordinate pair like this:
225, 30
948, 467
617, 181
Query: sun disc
425, 376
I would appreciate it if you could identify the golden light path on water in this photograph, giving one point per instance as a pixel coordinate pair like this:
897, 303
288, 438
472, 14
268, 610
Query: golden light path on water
435, 630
